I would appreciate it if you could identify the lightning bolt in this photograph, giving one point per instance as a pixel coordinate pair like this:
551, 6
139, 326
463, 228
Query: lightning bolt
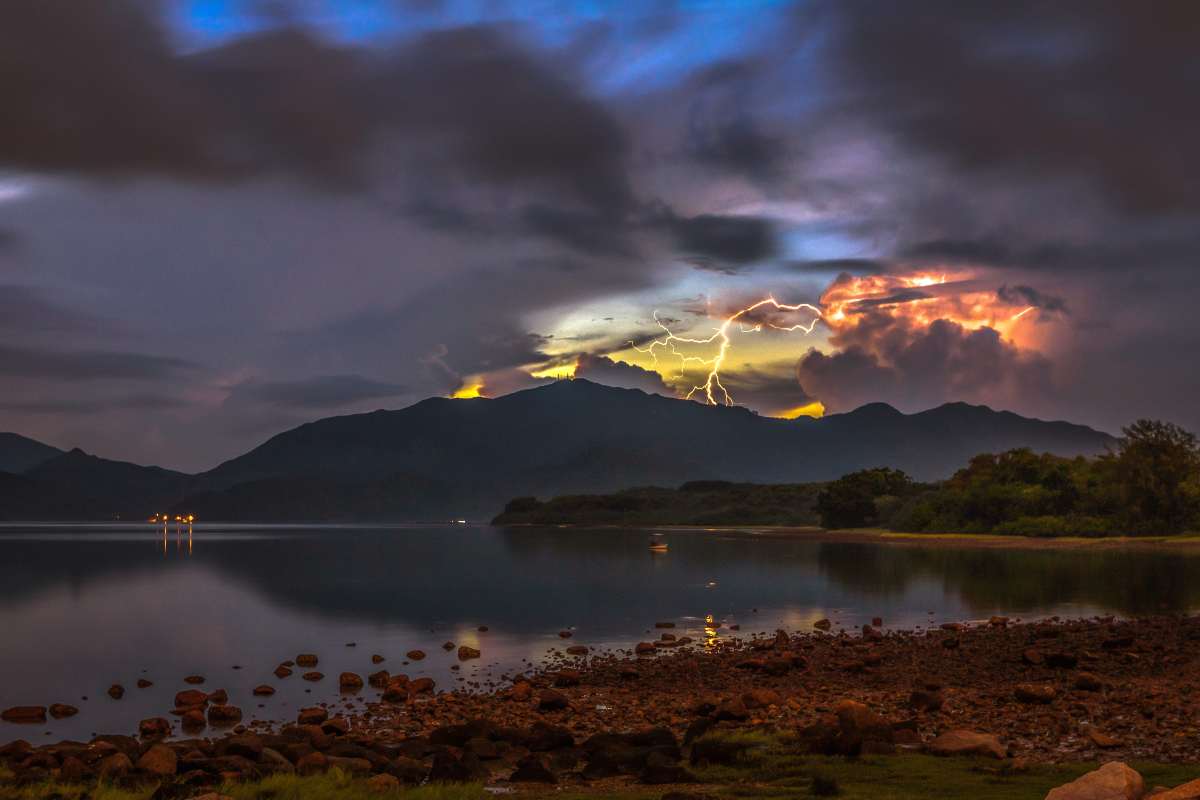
712, 382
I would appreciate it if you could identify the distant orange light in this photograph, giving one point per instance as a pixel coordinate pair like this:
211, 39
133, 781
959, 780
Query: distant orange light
468, 391
815, 409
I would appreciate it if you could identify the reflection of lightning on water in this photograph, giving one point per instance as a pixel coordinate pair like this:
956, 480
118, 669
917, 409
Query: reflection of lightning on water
722, 336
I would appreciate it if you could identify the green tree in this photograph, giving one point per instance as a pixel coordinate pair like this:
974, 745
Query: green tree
850, 501
1155, 468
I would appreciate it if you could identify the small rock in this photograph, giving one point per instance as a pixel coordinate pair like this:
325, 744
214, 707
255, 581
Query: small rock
313, 676
377, 659
564, 634
307, 660
644, 648
1034, 693
263, 690
383, 783
282, 672
1103, 740
967, 743
24, 714
194, 679
532, 769
142, 683
465, 653
822, 624
314, 715
448, 646
550, 700
189, 698
415, 655
218, 697
116, 691
117, 765
349, 682
379, 679
154, 728
62, 711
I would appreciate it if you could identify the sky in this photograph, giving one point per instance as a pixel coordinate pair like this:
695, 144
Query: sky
220, 219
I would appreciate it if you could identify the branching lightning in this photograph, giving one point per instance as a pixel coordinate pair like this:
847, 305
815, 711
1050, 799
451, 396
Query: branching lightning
712, 382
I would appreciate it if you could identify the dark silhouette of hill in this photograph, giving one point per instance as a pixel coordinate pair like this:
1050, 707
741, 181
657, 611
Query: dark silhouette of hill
443, 458
576, 437
76, 485
19, 453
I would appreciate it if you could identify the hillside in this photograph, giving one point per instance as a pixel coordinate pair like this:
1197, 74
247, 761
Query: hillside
578, 437
19, 453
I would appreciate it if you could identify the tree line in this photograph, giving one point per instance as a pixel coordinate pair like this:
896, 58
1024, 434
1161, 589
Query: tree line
1148, 483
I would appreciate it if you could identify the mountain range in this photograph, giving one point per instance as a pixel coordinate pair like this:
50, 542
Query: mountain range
441, 458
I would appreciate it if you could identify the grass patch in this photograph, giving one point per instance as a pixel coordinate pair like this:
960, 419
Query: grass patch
769, 768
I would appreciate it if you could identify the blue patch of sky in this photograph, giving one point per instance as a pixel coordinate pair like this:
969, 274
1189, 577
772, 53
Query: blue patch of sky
642, 44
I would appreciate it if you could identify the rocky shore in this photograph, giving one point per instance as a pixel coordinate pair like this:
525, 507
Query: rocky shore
1020, 694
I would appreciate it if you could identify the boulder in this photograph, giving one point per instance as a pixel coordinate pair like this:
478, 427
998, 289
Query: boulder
567, 677
263, 690
1035, 693
313, 676
415, 655
1187, 791
282, 672
154, 728
1087, 682
465, 653
117, 765
1113, 781
925, 700
383, 784
421, 685
379, 679
761, 698
532, 769
1102, 739
246, 745
62, 711
116, 691
822, 624
195, 680
24, 714
218, 697
550, 700
349, 682
190, 698
312, 764
408, 770
644, 648
158, 760
314, 715
307, 660
967, 743
142, 683
448, 769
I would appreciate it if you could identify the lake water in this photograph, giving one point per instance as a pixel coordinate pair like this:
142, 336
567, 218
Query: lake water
83, 607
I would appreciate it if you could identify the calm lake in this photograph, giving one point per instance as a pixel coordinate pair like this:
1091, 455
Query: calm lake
84, 607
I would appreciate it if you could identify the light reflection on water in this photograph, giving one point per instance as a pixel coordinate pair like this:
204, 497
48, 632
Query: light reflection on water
84, 607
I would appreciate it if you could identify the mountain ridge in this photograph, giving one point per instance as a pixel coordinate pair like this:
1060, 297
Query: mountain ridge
442, 458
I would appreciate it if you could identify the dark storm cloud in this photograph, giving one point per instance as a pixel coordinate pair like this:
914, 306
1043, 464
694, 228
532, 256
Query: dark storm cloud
725, 243
1017, 295
133, 402
27, 310
616, 373
322, 392
917, 368
852, 266
285, 100
1093, 90
88, 365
